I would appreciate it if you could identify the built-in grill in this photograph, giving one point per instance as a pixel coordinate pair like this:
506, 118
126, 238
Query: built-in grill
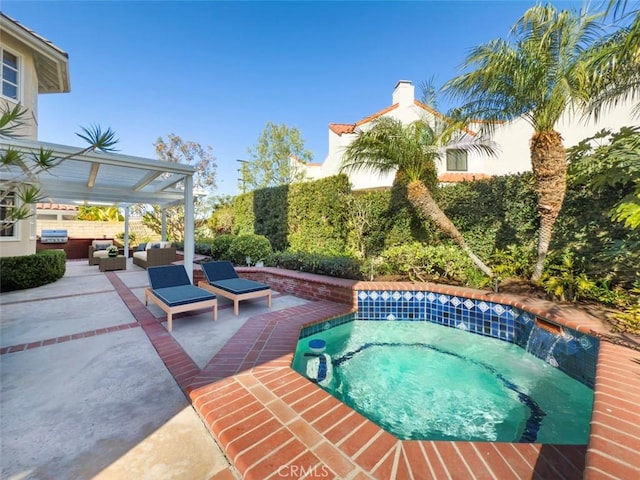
54, 236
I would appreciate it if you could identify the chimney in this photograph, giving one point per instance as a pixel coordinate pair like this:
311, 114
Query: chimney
403, 94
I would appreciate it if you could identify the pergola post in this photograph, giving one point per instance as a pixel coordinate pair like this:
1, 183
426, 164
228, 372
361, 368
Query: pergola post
189, 226
163, 223
126, 231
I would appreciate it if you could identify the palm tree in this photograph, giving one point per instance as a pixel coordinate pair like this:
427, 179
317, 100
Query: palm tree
613, 64
536, 76
411, 151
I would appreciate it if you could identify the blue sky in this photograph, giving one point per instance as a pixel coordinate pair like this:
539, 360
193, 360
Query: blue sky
217, 72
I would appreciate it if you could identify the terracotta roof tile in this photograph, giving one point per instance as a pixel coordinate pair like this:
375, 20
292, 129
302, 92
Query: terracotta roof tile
376, 115
56, 206
462, 177
341, 128
440, 115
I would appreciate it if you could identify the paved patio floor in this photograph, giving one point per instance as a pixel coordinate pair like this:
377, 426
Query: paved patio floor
84, 393
93, 386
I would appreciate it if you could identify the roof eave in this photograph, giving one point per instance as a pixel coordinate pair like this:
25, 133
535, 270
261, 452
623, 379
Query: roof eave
51, 62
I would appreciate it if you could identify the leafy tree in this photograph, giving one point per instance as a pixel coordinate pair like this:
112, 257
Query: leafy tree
614, 163
271, 164
411, 151
222, 217
190, 153
21, 192
536, 75
100, 214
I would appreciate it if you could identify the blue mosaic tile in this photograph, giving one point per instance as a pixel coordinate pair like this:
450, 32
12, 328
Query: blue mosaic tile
572, 352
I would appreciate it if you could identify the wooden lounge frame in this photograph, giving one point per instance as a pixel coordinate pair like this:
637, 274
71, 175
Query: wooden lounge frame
173, 292
223, 280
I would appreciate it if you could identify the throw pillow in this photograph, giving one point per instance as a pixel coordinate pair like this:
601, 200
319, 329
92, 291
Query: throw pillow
142, 247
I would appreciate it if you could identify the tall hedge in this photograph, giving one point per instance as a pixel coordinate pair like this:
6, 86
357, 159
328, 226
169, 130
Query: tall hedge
271, 215
318, 215
493, 213
244, 216
325, 217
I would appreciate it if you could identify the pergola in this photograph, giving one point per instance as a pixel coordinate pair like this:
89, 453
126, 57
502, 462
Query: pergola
97, 178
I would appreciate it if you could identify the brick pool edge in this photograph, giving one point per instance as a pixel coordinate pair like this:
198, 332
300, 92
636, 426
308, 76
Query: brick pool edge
296, 421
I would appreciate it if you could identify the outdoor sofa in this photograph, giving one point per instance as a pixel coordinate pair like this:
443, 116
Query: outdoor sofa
98, 250
155, 254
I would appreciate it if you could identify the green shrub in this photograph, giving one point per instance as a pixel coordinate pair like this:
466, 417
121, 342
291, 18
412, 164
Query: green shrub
201, 246
243, 214
132, 237
219, 247
270, 213
562, 279
29, 271
515, 261
317, 216
340, 266
629, 316
422, 263
255, 247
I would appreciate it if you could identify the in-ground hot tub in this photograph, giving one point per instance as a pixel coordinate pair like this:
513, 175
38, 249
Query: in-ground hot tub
527, 380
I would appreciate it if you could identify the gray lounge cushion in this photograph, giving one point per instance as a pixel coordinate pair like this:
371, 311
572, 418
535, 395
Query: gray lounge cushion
238, 286
182, 295
167, 276
220, 270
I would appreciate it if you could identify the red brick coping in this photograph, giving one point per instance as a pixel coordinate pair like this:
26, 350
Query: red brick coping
274, 423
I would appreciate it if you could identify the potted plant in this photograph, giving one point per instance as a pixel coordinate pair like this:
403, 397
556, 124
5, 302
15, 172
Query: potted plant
112, 251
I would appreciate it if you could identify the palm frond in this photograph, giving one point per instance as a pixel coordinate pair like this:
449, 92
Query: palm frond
414, 149
12, 120
534, 74
10, 156
29, 194
99, 140
44, 159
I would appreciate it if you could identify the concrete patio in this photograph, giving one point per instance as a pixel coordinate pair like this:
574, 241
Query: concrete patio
84, 393
93, 386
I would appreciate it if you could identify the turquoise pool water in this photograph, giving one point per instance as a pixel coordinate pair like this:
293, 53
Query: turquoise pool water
423, 381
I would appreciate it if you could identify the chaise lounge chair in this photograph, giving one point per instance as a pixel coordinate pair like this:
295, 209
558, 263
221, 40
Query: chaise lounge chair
173, 292
223, 280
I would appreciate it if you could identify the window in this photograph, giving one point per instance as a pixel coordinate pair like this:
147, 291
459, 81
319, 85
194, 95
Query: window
9, 75
456, 161
7, 204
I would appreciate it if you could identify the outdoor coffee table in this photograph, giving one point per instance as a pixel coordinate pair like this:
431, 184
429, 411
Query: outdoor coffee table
113, 263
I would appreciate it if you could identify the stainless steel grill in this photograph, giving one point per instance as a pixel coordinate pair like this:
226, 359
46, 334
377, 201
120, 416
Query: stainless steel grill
54, 236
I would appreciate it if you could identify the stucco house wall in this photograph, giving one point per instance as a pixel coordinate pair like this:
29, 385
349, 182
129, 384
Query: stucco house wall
42, 68
514, 138
512, 141
27, 85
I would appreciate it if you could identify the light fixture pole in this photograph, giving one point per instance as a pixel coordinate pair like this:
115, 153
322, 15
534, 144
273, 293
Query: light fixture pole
241, 171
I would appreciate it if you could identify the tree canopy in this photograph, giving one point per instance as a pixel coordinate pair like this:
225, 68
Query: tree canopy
271, 162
